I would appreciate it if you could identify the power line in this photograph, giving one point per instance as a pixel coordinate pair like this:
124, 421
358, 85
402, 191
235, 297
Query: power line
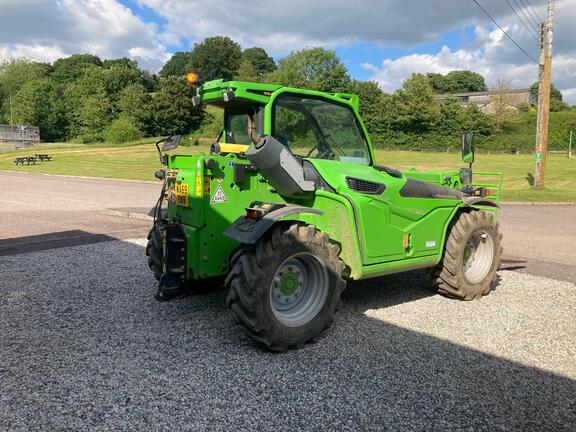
504, 31
522, 21
560, 42
530, 7
529, 15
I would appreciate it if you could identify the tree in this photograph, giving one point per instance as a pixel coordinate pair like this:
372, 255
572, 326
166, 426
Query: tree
503, 111
173, 110
416, 108
136, 104
261, 62
89, 119
177, 64
71, 68
451, 120
477, 121
38, 103
246, 72
117, 78
13, 75
151, 81
312, 68
372, 107
456, 82
123, 62
556, 99
17, 72
216, 57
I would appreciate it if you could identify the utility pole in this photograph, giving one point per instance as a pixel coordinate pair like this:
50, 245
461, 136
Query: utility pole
544, 80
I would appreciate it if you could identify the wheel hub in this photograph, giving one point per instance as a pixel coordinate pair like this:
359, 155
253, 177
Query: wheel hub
289, 283
299, 289
478, 256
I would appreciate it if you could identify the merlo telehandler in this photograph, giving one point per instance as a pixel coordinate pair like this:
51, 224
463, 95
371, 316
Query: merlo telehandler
289, 204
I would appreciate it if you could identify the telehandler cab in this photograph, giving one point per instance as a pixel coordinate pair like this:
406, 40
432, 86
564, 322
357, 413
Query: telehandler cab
290, 204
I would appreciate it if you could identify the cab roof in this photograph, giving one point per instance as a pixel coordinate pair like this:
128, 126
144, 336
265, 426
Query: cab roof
239, 92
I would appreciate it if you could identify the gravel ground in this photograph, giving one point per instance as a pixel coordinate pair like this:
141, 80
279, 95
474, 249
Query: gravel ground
85, 346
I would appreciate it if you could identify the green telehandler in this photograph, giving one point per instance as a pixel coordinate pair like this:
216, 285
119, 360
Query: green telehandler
290, 204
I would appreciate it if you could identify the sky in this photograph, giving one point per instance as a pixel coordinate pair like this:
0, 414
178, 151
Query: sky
380, 40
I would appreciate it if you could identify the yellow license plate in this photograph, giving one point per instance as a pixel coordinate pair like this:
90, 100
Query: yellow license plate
181, 191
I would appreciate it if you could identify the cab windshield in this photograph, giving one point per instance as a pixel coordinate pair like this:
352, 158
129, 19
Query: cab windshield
319, 128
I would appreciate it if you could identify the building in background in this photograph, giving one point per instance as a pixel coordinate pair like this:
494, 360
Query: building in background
488, 100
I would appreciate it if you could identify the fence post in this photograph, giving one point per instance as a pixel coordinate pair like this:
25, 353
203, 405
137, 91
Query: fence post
570, 146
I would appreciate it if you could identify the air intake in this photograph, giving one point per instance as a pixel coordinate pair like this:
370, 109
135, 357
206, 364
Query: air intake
364, 186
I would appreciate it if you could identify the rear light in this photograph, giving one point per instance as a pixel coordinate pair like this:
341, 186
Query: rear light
252, 213
480, 191
260, 209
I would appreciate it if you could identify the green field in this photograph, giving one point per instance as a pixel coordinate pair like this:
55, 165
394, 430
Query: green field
139, 161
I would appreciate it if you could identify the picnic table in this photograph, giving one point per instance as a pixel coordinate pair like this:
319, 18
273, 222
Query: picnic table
25, 159
31, 160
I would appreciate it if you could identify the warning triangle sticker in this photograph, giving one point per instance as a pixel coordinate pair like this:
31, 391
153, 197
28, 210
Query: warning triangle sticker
219, 196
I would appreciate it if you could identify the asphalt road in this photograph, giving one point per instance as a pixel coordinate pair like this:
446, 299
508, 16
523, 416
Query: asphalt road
43, 211
84, 346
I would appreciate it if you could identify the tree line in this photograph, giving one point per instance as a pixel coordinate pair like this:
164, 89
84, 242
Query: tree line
86, 99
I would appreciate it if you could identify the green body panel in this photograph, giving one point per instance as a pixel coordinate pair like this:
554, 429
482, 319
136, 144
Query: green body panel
378, 234
208, 250
383, 220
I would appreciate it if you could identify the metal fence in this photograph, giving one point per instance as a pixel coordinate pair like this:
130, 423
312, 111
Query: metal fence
20, 135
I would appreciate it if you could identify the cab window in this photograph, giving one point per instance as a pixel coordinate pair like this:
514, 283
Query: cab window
319, 128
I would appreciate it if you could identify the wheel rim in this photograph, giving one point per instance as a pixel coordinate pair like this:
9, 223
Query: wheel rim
299, 289
478, 256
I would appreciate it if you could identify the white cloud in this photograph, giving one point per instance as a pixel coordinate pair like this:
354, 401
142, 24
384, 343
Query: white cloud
281, 26
48, 29
392, 73
494, 56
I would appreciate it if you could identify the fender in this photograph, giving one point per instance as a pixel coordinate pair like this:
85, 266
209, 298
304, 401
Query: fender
479, 201
249, 231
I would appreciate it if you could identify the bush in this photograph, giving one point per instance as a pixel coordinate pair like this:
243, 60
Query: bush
122, 130
89, 137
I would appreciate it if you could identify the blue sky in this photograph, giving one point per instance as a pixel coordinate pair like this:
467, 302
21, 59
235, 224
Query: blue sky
381, 40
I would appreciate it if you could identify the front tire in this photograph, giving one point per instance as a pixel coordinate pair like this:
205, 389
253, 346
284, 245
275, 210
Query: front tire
471, 257
285, 289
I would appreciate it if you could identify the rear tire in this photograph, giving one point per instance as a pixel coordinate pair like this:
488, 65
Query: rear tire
285, 289
154, 250
471, 257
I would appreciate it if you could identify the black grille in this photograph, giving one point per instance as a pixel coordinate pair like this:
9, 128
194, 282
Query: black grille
364, 186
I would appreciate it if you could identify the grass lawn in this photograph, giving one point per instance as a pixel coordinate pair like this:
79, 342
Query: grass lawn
139, 161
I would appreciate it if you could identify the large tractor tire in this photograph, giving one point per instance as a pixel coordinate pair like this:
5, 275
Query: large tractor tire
285, 289
471, 257
154, 250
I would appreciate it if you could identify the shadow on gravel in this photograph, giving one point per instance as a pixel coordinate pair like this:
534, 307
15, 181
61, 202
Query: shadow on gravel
89, 348
35, 243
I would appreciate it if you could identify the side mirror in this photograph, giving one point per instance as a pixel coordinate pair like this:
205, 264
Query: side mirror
171, 143
467, 147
